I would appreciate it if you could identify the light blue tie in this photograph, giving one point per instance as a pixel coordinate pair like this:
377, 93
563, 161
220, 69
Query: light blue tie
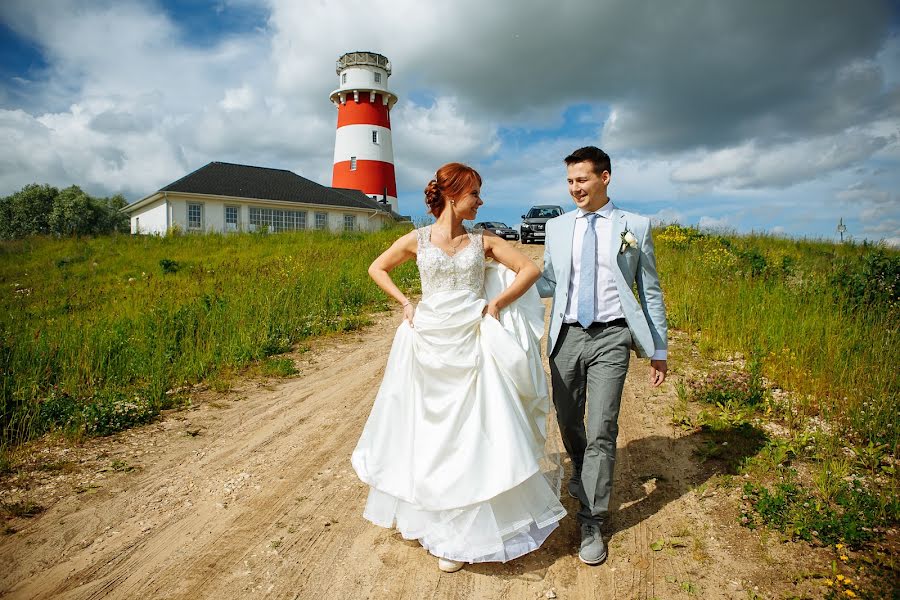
587, 287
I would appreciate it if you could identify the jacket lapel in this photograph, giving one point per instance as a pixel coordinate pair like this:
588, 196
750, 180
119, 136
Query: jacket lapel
566, 247
615, 237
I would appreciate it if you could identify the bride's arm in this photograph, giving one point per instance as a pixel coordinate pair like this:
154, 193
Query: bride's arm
402, 250
526, 272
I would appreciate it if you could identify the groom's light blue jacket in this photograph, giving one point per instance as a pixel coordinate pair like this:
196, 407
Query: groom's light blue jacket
647, 319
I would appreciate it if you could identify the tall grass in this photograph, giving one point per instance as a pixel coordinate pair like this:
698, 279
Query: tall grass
95, 332
821, 318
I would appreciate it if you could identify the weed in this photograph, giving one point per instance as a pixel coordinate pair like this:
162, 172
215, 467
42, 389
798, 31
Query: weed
121, 466
850, 516
168, 265
22, 509
278, 367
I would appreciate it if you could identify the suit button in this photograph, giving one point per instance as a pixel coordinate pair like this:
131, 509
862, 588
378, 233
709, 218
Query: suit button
560, 315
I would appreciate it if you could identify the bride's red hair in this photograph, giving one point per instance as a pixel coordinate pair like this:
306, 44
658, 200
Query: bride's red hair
451, 181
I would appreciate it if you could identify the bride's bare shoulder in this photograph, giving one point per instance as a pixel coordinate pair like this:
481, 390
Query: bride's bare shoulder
408, 241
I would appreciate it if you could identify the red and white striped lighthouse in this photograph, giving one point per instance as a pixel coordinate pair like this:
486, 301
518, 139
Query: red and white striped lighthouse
363, 151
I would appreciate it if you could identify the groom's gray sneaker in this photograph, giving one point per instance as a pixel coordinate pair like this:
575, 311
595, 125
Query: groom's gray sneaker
573, 485
593, 549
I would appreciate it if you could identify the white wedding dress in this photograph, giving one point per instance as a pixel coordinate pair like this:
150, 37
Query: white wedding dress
453, 449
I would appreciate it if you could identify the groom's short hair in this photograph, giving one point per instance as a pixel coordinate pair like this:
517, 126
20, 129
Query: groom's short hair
592, 154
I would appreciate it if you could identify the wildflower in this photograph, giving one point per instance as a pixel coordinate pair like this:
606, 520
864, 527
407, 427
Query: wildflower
850, 593
840, 577
839, 546
828, 582
844, 557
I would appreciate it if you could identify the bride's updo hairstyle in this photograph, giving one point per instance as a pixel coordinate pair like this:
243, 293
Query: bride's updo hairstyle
452, 181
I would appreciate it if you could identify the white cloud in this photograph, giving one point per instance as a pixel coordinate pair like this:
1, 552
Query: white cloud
753, 166
128, 102
715, 223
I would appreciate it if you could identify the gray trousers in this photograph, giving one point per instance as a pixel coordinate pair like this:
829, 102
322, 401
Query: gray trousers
587, 369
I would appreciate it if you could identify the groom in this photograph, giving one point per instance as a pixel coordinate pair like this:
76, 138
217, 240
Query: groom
592, 258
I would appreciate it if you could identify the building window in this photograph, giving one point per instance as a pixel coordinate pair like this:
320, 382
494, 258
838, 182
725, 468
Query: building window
349, 222
343, 78
321, 220
260, 218
352, 163
195, 216
277, 220
231, 218
374, 136
377, 77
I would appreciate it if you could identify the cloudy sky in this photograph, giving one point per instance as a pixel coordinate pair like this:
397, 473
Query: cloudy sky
768, 115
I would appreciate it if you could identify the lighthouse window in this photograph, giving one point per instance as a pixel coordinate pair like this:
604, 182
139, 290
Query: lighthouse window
343, 78
352, 163
374, 136
377, 77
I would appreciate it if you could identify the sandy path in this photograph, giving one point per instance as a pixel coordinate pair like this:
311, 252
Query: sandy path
263, 503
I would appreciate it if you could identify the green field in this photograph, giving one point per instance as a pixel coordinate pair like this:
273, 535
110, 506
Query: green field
822, 320
97, 333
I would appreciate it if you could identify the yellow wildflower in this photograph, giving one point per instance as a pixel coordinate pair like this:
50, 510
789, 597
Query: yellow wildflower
844, 557
828, 582
850, 593
840, 577
839, 546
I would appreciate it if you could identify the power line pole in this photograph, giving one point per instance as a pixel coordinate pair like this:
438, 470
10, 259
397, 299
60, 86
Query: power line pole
841, 228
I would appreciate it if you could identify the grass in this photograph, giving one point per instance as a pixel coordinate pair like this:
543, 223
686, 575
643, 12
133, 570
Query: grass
819, 318
797, 337
96, 334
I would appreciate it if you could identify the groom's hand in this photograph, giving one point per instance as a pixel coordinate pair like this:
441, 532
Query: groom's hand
658, 370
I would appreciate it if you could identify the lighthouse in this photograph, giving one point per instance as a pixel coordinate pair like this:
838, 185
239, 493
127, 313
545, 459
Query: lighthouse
363, 151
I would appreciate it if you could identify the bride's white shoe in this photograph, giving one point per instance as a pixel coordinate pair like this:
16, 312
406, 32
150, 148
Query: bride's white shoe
449, 566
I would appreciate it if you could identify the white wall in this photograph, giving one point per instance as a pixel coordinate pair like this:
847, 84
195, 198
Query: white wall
362, 77
151, 219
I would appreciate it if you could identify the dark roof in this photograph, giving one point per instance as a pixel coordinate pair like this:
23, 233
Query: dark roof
360, 196
245, 181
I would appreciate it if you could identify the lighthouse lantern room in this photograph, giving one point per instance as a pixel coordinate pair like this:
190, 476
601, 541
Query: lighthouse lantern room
363, 151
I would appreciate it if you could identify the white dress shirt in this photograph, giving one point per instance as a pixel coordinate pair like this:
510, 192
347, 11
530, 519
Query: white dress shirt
606, 296
606, 299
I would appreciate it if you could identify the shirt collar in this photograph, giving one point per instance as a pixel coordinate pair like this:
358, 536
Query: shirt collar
605, 211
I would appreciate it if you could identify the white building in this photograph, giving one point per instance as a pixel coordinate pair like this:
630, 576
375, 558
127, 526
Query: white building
222, 197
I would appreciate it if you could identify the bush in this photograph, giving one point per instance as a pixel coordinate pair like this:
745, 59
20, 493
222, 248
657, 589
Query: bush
111, 413
789, 508
740, 389
870, 280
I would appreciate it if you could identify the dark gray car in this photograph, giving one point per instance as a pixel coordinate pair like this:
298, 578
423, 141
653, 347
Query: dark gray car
499, 229
533, 221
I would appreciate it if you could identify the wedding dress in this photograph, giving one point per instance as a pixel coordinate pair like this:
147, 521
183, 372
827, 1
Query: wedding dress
453, 450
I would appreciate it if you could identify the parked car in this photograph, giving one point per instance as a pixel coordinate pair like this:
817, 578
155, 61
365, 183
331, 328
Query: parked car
534, 220
499, 229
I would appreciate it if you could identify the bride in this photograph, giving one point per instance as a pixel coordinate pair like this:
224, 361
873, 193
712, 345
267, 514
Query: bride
452, 449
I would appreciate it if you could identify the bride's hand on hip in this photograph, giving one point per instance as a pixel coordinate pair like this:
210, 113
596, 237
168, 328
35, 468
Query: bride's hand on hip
493, 309
409, 312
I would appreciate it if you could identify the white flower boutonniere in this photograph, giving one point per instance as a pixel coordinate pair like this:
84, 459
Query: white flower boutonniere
628, 241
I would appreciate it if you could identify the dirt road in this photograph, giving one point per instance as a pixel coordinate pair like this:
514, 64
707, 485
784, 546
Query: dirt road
251, 495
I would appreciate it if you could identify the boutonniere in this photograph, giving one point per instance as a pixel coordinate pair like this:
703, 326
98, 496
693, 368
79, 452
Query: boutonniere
628, 241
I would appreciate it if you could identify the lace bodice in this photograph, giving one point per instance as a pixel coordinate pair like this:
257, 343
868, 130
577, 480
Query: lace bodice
440, 272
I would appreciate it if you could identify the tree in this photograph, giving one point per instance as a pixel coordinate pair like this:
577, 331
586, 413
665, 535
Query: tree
76, 213
42, 209
27, 211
